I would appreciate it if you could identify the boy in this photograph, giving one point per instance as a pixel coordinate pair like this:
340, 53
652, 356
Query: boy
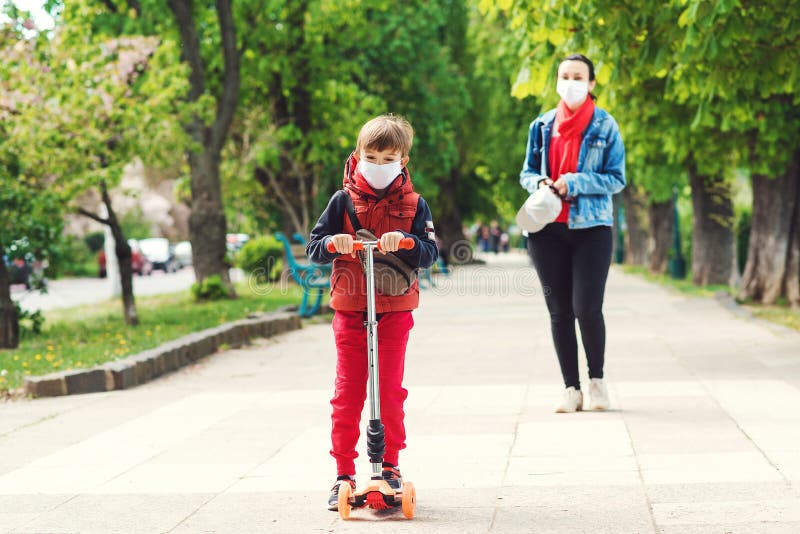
377, 190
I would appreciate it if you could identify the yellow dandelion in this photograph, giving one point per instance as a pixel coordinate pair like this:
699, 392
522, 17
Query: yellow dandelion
50, 347
38, 357
148, 333
16, 357
49, 357
78, 364
24, 364
123, 342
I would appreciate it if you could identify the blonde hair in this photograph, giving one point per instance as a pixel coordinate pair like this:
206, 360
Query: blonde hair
386, 131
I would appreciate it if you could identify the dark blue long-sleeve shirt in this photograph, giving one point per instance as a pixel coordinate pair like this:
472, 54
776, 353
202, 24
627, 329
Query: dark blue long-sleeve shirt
331, 222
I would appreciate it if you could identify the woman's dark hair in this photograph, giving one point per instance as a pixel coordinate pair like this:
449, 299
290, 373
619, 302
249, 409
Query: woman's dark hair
588, 62
582, 59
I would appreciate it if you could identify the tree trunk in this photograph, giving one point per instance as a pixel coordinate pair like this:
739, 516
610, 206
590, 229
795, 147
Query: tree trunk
771, 270
660, 240
124, 259
122, 250
207, 225
456, 248
9, 321
712, 229
635, 203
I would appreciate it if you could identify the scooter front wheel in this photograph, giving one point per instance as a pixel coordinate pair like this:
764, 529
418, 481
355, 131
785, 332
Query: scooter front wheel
345, 492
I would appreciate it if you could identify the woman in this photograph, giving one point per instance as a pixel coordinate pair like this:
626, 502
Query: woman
577, 150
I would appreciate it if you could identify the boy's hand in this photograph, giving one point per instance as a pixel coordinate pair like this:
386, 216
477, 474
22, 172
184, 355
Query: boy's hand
343, 244
390, 241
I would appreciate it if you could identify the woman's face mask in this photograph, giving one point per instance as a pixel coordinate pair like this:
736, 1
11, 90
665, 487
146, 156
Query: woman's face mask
573, 92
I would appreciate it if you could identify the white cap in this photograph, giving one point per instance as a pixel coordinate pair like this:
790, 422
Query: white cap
541, 208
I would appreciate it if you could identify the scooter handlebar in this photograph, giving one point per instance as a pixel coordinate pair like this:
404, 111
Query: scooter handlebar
407, 243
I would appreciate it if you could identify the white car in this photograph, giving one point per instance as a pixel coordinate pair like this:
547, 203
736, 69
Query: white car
183, 253
159, 252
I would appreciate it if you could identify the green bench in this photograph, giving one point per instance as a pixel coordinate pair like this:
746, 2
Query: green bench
313, 278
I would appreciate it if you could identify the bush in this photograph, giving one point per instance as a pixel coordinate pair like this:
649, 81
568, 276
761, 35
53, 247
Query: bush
212, 288
30, 323
72, 257
95, 241
261, 257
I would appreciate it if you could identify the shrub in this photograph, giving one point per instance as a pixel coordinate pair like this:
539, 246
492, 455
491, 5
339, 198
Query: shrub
261, 257
72, 257
212, 288
95, 241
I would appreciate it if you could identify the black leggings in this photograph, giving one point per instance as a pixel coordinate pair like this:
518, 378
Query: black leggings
573, 267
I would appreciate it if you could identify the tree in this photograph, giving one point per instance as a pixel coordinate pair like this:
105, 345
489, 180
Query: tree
30, 211
87, 107
664, 54
207, 224
207, 36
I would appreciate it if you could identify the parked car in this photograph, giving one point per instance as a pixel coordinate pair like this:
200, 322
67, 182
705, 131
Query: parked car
141, 265
183, 253
160, 253
235, 242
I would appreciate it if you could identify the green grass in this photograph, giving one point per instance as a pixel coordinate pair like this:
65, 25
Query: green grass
780, 313
684, 286
86, 336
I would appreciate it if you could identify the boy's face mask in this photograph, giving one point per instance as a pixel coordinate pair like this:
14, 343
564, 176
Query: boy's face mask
380, 176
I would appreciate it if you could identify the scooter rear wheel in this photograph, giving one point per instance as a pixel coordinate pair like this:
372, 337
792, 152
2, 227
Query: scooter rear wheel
345, 492
409, 500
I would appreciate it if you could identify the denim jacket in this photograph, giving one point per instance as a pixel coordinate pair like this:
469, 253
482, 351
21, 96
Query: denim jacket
601, 168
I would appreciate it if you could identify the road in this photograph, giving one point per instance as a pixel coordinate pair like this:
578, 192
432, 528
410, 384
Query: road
80, 291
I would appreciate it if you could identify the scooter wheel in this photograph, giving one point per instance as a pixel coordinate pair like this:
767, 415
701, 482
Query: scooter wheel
409, 500
345, 492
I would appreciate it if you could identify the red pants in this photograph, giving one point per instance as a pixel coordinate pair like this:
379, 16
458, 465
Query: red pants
351, 383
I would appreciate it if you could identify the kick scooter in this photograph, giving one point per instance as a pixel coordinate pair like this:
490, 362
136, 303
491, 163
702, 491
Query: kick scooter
377, 495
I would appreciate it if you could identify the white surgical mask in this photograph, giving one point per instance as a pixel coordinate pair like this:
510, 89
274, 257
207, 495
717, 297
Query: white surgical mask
573, 92
380, 176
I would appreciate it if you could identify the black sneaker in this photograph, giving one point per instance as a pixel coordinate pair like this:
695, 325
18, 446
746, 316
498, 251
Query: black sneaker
333, 500
393, 477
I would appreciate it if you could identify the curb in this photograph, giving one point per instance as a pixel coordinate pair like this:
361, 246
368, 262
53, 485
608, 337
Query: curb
145, 366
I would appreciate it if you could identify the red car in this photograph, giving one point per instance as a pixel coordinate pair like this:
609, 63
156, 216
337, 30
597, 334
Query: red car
139, 263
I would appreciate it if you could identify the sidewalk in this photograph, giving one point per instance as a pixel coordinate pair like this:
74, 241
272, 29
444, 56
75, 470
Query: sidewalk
704, 437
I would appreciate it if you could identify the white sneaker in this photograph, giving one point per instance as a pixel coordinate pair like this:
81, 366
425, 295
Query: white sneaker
598, 395
572, 401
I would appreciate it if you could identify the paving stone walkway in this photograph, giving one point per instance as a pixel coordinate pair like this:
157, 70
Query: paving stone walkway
704, 436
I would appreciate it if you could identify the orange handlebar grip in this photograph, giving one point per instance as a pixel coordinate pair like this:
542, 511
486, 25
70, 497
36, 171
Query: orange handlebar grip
357, 245
407, 243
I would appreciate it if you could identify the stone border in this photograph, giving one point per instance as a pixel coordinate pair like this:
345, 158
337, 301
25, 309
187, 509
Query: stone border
145, 366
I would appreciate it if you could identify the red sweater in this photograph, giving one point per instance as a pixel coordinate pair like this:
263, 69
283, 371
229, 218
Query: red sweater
554, 158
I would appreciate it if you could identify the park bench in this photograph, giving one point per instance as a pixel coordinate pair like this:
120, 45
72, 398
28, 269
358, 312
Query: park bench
313, 278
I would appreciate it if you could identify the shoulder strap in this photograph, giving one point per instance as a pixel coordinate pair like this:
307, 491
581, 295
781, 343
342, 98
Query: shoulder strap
351, 212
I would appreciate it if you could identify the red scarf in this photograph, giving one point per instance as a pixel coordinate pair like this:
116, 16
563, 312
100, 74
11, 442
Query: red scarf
571, 125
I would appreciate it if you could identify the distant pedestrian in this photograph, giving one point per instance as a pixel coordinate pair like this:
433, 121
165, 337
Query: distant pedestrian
577, 150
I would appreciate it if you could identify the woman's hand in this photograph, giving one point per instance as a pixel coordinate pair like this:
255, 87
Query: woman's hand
561, 187
343, 244
390, 241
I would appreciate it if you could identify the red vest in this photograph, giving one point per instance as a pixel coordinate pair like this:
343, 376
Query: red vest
395, 211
